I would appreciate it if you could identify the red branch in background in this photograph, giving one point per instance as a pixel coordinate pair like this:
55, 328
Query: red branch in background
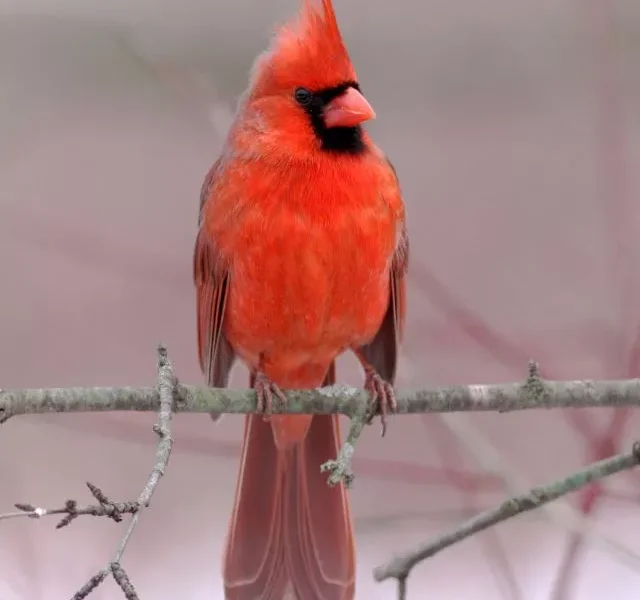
617, 210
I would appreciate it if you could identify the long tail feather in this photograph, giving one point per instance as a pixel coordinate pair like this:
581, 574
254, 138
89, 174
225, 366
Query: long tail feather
291, 535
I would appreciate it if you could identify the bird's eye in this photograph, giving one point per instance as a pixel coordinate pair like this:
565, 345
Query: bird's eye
303, 96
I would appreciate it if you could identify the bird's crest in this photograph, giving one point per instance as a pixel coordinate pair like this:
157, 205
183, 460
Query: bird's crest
308, 51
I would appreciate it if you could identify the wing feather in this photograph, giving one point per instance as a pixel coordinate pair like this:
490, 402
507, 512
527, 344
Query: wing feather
211, 278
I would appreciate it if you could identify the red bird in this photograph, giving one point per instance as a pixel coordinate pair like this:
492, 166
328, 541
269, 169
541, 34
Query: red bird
301, 254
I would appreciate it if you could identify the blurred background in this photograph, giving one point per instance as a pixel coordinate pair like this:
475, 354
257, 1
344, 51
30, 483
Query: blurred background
515, 129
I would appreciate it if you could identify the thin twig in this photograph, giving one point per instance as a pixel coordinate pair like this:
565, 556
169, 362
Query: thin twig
402, 588
105, 508
400, 566
166, 386
533, 393
340, 468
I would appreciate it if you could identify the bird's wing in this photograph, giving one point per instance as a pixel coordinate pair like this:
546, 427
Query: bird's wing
382, 351
211, 278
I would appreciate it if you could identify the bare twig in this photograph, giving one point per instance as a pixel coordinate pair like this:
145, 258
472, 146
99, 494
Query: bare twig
402, 588
105, 508
91, 585
400, 566
166, 385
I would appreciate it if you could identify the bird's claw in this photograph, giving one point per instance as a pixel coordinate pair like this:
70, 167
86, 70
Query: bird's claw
265, 389
382, 397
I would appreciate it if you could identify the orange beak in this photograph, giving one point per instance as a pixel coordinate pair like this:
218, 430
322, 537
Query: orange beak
348, 110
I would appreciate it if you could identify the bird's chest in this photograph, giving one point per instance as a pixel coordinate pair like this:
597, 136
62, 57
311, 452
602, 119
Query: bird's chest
311, 281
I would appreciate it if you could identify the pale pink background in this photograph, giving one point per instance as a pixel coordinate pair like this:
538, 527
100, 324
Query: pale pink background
515, 128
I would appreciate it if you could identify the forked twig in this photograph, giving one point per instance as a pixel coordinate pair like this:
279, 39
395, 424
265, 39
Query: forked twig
166, 386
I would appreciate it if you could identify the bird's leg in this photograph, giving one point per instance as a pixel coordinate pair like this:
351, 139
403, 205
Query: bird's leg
265, 389
380, 391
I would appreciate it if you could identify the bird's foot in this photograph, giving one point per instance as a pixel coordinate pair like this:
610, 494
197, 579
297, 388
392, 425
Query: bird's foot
382, 396
265, 390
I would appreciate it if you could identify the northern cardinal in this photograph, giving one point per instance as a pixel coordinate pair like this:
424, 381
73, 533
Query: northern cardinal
301, 254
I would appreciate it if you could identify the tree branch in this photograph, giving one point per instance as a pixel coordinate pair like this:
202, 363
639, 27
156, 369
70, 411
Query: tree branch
105, 508
533, 393
400, 566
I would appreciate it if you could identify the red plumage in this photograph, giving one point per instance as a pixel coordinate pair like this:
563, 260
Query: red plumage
301, 254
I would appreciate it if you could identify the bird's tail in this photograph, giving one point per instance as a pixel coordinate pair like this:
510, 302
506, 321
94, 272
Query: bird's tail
290, 536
